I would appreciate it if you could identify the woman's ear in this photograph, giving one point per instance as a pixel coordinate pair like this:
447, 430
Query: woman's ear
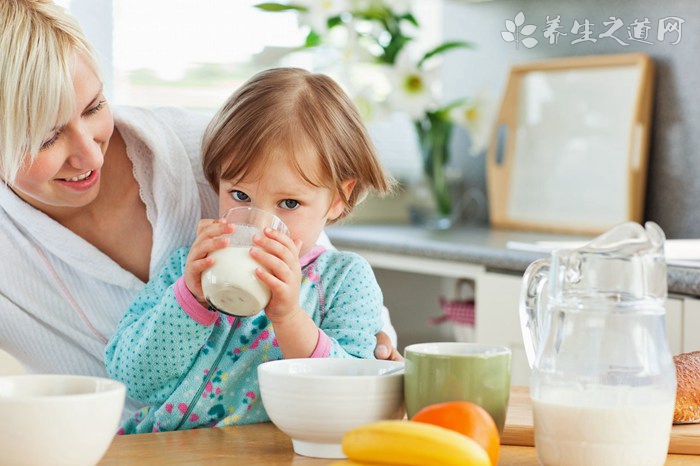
338, 204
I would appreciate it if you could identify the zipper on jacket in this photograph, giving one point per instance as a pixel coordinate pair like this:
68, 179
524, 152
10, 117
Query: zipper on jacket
198, 395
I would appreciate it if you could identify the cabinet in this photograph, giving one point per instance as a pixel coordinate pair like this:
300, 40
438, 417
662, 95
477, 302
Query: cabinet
498, 321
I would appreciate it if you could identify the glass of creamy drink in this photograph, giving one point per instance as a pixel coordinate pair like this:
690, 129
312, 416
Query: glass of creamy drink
230, 285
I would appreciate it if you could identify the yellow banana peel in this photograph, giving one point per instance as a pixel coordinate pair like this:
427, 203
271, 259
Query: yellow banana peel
408, 443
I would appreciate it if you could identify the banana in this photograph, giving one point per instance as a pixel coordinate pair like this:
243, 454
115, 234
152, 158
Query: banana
412, 444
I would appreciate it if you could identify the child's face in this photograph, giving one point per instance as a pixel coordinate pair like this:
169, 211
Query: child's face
278, 188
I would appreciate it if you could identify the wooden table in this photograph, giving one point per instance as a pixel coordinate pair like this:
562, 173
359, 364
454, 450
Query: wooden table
264, 444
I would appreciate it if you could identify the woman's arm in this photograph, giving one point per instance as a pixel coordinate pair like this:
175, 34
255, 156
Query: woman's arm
386, 348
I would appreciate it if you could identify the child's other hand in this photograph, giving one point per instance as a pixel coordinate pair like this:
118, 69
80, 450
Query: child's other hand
210, 237
279, 254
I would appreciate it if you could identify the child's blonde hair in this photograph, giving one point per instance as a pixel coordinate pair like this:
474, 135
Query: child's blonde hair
39, 42
289, 109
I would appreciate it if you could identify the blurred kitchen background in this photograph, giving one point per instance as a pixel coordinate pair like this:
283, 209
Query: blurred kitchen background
193, 53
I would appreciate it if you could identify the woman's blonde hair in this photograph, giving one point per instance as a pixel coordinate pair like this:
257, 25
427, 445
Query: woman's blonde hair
39, 43
289, 110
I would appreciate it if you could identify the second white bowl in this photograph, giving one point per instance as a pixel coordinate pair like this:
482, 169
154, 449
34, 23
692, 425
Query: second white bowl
315, 401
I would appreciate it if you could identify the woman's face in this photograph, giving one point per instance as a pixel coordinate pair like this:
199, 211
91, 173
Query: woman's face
66, 172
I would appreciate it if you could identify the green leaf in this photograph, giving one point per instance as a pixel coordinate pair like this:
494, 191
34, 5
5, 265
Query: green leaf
442, 48
373, 13
411, 19
270, 6
312, 40
452, 105
334, 21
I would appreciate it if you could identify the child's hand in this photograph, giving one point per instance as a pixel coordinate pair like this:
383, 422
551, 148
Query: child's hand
279, 254
209, 239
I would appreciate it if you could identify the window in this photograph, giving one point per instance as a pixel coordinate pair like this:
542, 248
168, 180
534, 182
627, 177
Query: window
183, 53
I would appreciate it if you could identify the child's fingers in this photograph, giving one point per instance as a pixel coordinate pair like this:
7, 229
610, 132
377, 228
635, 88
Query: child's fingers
266, 259
276, 285
275, 266
211, 228
193, 276
196, 267
280, 238
205, 246
283, 248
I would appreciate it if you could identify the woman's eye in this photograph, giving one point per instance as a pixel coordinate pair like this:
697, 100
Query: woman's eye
48, 142
240, 196
100, 105
289, 204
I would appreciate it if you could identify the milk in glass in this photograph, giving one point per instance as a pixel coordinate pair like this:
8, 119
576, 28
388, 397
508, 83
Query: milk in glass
230, 285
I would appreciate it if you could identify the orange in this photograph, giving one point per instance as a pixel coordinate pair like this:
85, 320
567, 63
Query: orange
466, 418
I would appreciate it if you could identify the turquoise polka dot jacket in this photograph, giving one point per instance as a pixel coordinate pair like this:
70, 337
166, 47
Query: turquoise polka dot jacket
198, 368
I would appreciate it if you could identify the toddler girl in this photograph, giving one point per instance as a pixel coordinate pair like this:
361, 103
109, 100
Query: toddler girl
292, 143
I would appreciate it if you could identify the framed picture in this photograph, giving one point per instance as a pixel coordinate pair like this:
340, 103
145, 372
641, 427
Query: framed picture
570, 146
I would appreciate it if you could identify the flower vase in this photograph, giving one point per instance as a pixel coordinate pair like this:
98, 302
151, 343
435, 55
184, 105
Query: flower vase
433, 198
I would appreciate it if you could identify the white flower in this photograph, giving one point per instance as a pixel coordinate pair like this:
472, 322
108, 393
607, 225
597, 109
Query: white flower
477, 115
318, 11
412, 87
352, 49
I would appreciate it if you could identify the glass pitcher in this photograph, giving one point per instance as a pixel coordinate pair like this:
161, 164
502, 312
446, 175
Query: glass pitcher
603, 381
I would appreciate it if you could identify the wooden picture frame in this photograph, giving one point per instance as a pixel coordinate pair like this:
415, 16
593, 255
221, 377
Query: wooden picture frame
570, 146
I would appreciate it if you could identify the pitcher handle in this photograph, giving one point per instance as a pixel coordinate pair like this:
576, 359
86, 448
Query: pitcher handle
532, 309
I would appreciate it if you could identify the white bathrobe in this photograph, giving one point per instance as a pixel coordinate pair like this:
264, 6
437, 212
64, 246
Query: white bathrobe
60, 297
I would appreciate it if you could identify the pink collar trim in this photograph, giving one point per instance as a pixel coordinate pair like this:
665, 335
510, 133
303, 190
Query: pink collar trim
311, 256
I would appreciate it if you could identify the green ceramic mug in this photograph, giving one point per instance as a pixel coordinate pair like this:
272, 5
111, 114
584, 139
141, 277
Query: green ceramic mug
449, 371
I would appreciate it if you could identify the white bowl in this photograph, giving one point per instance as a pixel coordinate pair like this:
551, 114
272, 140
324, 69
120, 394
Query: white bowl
315, 401
57, 419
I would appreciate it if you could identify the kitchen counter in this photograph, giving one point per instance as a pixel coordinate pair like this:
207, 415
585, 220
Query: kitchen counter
477, 245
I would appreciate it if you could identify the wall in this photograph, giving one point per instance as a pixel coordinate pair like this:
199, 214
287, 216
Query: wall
673, 187
95, 17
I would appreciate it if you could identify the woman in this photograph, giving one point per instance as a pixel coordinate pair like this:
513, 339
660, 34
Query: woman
92, 202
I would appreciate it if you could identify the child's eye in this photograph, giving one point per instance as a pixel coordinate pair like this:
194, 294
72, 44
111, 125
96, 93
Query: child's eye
290, 204
240, 196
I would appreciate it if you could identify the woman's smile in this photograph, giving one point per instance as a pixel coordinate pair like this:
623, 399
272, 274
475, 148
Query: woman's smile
81, 182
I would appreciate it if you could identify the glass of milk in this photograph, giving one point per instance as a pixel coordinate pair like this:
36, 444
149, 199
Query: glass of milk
230, 285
